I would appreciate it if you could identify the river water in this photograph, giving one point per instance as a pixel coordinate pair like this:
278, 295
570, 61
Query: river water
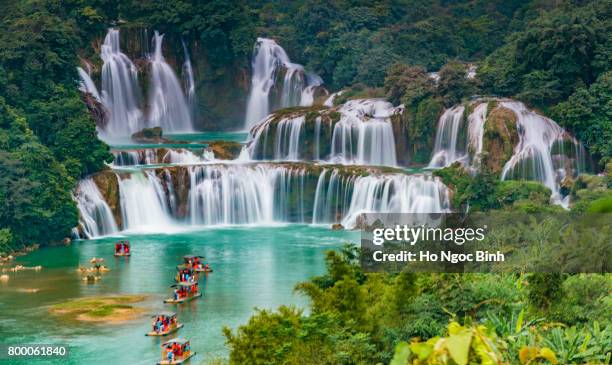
254, 267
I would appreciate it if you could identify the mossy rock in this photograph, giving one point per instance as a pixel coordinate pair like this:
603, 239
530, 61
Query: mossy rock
105, 309
107, 184
500, 138
149, 135
225, 150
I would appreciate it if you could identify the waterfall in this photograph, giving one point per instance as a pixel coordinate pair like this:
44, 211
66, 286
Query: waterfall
226, 194
187, 157
329, 102
154, 156
287, 143
144, 207
120, 91
540, 153
396, 194
168, 107
297, 88
189, 81
87, 85
363, 135
476, 122
230, 195
96, 216
448, 147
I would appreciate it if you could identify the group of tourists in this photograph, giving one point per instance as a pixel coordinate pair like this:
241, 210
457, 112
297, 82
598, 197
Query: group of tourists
176, 349
122, 248
183, 291
163, 323
186, 275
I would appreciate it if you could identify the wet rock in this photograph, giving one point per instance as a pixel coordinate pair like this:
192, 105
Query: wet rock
149, 135
337, 227
500, 137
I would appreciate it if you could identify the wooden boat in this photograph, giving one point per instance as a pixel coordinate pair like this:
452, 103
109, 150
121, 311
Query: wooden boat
173, 327
121, 247
183, 347
192, 292
195, 262
202, 269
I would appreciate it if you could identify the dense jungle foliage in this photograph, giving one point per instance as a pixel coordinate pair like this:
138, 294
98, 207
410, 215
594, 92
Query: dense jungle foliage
553, 55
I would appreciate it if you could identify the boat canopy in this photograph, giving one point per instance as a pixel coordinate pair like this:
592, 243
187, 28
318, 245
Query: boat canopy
189, 257
183, 283
164, 314
180, 341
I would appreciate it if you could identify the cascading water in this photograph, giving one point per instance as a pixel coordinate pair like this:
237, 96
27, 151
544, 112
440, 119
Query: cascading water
96, 216
476, 122
230, 195
224, 194
167, 105
362, 135
120, 91
189, 81
540, 153
297, 88
144, 207
87, 85
152, 156
448, 147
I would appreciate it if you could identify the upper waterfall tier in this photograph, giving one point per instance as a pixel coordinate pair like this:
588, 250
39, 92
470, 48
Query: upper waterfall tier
276, 82
256, 193
167, 103
357, 132
120, 94
508, 139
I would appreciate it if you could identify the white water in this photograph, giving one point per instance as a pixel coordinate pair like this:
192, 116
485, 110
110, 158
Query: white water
189, 82
396, 194
329, 102
96, 216
120, 91
87, 85
144, 207
151, 156
363, 135
167, 105
476, 122
297, 87
533, 157
448, 148
266, 194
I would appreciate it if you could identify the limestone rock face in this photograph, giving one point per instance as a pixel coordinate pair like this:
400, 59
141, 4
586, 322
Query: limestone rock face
109, 188
149, 135
500, 137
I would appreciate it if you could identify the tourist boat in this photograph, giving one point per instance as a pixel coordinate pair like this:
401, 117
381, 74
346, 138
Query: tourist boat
172, 326
180, 349
184, 269
122, 248
186, 292
195, 262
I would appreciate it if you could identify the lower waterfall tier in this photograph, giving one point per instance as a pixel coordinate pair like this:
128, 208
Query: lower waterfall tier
160, 199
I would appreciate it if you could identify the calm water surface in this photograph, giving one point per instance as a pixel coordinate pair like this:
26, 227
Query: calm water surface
253, 267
